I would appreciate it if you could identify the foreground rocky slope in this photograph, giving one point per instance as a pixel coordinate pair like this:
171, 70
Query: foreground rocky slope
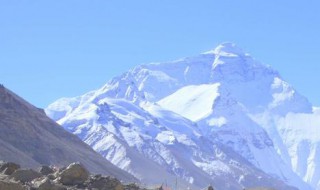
220, 116
73, 177
30, 138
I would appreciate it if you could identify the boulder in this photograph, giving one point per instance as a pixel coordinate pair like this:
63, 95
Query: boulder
25, 175
46, 170
46, 184
74, 174
56, 174
105, 183
52, 176
9, 185
8, 168
131, 186
260, 188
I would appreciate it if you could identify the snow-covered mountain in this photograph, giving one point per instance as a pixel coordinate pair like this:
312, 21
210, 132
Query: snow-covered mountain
220, 117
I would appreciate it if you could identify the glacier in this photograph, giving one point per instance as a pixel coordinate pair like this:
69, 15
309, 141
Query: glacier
220, 117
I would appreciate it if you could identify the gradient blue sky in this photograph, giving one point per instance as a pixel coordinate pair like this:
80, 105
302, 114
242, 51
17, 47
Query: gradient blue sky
61, 48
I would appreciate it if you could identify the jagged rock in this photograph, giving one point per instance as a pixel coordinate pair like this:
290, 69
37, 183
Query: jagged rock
52, 176
260, 188
131, 186
8, 168
9, 185
46, 170
210, 188
3, 177
46, 184
74, 174
56, 174
25, 175
105, 183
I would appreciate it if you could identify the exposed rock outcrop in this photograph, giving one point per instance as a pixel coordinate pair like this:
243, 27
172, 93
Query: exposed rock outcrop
25, 175
74, 174
8, 168
46, 170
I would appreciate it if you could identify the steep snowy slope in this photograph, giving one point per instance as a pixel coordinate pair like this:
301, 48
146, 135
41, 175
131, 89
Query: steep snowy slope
142, 140
224, 98
296, 139
193, 102
229, 123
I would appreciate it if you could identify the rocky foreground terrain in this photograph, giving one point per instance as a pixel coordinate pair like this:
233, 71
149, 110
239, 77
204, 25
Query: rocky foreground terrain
73, 177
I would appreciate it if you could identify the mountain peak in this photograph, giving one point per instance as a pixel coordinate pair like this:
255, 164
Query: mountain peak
230, 54
227, 49
220, 108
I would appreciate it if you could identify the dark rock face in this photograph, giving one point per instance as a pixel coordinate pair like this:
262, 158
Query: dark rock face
74, 174
46, 170
25, 175
8, 168
105, 183
132, 186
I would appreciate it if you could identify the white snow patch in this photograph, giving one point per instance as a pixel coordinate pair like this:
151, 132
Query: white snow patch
220, 121
213, 167
192, 102
166, 137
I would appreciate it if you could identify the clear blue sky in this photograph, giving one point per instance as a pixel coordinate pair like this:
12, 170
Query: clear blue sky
61, 48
